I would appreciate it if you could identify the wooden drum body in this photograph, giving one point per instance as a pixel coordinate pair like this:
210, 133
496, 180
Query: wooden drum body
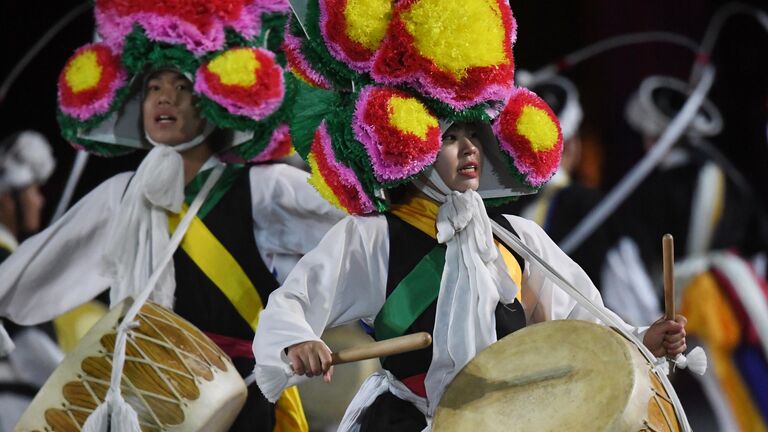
175, 378
555, 376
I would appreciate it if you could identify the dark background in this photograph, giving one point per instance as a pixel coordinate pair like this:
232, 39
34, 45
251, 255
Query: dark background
547, 30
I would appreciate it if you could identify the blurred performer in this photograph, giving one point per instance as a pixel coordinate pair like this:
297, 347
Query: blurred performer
718, 224
695, 193
26, 162
564, 201
196, 86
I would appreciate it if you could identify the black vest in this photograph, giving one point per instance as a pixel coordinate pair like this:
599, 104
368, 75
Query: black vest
407, 246
201, 302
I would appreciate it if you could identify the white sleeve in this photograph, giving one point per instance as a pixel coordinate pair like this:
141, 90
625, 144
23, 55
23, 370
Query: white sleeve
290, 217
59, 268
542, 299
343, 280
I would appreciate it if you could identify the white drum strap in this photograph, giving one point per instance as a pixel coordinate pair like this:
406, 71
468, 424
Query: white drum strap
598, 311
123, 416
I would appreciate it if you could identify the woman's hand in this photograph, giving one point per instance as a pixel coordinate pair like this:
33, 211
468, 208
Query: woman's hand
666, 337
311, 358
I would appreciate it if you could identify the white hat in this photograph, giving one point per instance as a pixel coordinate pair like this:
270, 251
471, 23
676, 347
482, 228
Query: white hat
25, 159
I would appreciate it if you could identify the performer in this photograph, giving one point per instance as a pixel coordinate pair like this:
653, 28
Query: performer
711, 207
421, 156
720, 225
26, 163
195, 86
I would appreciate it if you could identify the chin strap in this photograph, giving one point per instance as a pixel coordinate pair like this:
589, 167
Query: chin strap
435, 188
194, 142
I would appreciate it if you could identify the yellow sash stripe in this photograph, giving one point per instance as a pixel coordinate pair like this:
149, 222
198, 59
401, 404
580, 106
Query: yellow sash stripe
215, 261
421, 213
289, 412
221, 268
513, 268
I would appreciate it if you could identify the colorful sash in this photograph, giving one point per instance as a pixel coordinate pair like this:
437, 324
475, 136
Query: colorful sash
420, 288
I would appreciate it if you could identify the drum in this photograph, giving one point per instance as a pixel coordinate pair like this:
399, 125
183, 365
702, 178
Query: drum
174, 377
555, 376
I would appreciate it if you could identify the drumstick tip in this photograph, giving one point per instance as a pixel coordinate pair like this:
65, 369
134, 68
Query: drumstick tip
426, 339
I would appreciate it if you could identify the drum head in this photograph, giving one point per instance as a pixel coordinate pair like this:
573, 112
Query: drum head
554, 376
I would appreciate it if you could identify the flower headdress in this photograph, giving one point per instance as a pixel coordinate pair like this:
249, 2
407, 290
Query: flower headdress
226, 47
377, 79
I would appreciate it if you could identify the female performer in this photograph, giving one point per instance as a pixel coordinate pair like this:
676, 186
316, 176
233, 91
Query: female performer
412, 164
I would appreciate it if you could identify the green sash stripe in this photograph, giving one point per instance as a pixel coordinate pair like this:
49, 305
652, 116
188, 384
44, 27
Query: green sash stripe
412, 296
228, 177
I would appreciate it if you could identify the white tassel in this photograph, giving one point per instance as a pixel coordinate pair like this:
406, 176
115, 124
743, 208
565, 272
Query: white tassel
6, 344
113, 415
124, 417
98, 421
696, 361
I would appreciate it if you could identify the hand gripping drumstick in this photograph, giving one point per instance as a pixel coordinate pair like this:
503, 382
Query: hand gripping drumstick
388, 347
697, 360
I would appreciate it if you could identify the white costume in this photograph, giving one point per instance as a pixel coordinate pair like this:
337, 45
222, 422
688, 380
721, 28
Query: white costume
60, 268
344, 279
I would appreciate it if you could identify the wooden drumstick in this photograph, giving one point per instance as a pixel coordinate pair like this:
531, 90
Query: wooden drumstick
668, 254
696, 361
389, 347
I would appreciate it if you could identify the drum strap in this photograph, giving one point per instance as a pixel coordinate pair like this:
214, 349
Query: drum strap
215, 261
420, 288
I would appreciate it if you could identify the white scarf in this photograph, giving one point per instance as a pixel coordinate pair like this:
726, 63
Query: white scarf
474, 280
139, 235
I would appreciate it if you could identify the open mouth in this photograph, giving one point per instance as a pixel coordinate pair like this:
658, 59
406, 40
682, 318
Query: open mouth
165, 119
470, 170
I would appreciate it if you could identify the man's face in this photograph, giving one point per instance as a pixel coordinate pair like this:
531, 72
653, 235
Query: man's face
460, 159
169, 112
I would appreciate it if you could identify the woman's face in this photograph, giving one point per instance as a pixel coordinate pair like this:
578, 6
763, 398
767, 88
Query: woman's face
460, 160
169, 112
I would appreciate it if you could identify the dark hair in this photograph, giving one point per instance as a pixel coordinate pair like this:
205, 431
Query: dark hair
399, 194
